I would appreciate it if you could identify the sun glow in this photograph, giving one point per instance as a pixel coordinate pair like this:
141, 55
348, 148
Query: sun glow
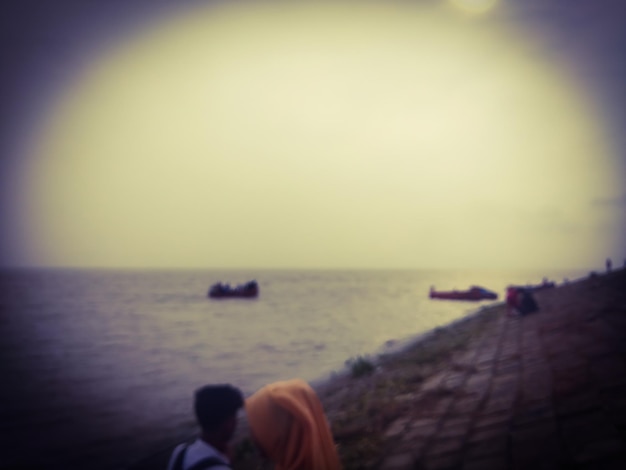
317, 134
475, 7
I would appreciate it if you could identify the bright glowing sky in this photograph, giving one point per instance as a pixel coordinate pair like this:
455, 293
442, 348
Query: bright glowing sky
321, 136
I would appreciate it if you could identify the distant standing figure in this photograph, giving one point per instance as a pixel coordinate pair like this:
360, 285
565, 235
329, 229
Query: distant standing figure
288, 425
608, 265
512, 301
216, 408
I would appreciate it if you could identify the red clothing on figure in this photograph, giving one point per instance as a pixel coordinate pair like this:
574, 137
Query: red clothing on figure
512, 300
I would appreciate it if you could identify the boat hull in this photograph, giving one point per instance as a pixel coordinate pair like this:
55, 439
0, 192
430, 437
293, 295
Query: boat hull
233, 295
472, 295
249, 290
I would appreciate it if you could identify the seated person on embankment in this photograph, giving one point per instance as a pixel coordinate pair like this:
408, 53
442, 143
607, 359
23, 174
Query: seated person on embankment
216, 408
289, 427
520, 301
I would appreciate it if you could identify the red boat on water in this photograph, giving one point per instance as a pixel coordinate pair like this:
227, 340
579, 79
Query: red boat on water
474, 293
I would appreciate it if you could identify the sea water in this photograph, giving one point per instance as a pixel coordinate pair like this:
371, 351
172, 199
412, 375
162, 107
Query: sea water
99, 366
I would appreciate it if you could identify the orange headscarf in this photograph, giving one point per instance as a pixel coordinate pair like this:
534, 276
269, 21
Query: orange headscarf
288, 423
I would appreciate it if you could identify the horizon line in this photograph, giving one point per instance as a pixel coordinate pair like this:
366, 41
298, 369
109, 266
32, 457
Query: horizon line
294, 268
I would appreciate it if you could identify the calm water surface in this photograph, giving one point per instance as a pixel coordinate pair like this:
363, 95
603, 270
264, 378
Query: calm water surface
94, 359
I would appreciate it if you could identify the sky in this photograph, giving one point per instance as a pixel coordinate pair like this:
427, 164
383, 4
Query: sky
426, 134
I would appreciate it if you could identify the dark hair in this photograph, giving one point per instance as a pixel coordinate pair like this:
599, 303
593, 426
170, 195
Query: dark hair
214, 404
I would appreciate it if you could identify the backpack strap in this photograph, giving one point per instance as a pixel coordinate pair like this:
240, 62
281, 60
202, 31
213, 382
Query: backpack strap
180, 458
203, 464
207, 463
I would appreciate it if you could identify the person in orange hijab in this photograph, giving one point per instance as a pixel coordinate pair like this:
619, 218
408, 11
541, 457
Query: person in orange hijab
288, 424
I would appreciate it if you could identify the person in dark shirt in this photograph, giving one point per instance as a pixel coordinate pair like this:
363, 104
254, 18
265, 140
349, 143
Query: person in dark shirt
216, 408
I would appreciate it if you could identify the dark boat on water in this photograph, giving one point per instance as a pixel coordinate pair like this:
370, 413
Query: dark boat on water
247, 290
474, 293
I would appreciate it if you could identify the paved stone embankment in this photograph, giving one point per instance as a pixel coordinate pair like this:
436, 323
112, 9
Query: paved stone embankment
543, 391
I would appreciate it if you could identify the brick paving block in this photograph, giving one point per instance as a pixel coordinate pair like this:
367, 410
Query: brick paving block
490, 345
537, 457
450, 421
508, 355
408, 444
484, 362
454, 380
498, 462
534, 360
582, 401
423, 423
445, 446
534, 431
536, 370
411, 397
529, 334
556, 348
551, 326
581, 430
509, 368
399, 462
499, 404
614, 403
466, 358
542, 391
591, 452
505, 383
465, 406
488, 350
485, 434
432, 383
617, 416
478, 383
536, 378
617, 320
439, 407
569, 360
532, 412
616, 462
531, 342
528, 447
508, 358
441, 462
454, 428
499, 419
510, 338
422, 429
509, 349
569, 383
397, 427
608, 370
496, 446
542, 449
617, 389
605, 330
595, 349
